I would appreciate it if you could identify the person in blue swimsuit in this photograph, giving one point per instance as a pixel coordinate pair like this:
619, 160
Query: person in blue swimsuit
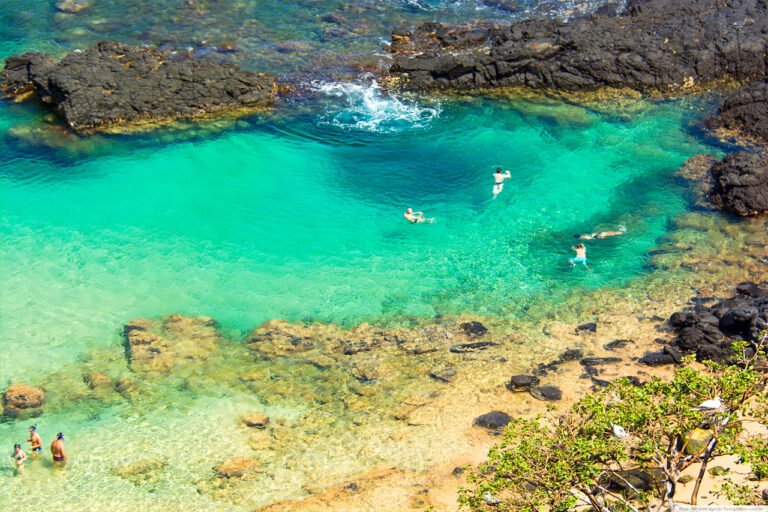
581, 256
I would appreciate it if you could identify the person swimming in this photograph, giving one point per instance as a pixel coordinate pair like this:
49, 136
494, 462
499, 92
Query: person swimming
18, 457
35, 442
581, 256
602, 234
498, 179
416, 217
57, 449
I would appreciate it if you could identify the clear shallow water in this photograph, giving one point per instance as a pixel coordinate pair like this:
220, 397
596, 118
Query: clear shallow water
302, 218
296, 216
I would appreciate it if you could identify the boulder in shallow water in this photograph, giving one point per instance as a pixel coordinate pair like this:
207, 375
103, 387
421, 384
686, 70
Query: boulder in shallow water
744, 112
468, 348
98, 381
474, 329
546, 393
22, 400
256, 420
237, 467
159, 345
587, 328
494, 420
141, 472
522, 382
72, 6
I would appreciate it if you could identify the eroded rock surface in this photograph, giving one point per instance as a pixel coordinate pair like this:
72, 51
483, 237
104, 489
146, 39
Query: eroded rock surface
22, 400
111, 85
159, 345
655, 45
708, 332
745, 112
741, 183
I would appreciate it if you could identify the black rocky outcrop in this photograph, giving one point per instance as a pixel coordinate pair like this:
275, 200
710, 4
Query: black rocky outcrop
655, 45
740, 183
709, 332
745, 112
111, 84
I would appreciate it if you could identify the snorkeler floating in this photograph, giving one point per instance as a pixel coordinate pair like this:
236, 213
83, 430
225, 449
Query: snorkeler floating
416, 217
602, 234
499, 178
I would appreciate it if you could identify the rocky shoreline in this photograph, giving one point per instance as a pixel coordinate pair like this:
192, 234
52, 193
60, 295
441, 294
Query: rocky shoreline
112, 85
651, 46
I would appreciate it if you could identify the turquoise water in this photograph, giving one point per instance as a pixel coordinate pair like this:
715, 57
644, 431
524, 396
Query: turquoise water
296, 215
301, 218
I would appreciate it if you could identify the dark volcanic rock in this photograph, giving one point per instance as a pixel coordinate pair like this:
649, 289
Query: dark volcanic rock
547, 393
711, 330
112, 84
572, 354
656, 359
474, 329
522, 382
745, 112
444, 374
617, 344
655, 45
477, 346
495, 420
586, 328
597, 361
741, 183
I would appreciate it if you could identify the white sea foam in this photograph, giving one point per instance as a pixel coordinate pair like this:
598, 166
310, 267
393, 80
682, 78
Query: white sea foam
367, 107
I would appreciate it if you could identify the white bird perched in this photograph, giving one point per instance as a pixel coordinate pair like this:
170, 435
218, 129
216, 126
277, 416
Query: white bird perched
618, 431
710, 405
489, 499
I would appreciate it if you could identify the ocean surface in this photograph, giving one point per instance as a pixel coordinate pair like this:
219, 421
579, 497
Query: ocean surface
297, 215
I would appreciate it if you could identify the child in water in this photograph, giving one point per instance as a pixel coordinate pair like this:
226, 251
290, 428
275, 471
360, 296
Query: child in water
581, 256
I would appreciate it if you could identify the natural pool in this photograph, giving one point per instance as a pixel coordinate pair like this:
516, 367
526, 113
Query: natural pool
296, 215
301, 218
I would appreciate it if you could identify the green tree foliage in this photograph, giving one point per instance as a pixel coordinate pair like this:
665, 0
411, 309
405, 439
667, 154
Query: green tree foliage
625, 447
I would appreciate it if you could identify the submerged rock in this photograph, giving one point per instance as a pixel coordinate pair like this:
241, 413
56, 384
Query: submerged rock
141, 472
546, 393
159, 345
656, 45
72, 6
465, 348
22, 400
522, 382
112, 85
494, 420
256, 420
598, 361
474, 329
617, 344
236, 467
589, 327
444, 374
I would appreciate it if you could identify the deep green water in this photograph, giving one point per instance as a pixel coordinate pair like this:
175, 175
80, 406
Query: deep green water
296, 216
